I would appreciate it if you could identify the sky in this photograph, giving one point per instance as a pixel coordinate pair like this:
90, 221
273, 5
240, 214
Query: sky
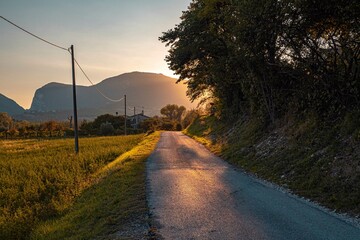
110, 37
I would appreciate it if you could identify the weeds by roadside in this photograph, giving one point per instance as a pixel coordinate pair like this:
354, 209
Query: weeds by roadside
39, 180
312, 158
113, 207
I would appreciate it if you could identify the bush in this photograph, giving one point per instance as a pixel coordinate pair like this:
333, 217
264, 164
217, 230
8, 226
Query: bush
107, 129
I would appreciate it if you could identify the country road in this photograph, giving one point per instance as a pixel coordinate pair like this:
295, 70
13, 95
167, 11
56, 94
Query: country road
196, 195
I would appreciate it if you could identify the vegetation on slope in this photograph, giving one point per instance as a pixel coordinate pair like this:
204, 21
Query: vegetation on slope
40, 179
283, 78
315, 160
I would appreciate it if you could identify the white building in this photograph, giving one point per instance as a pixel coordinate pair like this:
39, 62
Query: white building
136, 119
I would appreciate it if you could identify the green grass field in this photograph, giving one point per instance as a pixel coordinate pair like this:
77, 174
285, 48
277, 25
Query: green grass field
41, 180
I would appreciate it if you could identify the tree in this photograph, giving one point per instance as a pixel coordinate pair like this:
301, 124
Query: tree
269, 57
202, 52
188, 118
12, 132
167, 125
23, 128
107, 129
87, 127
322, 42
173, 112
151, 124
116, 121
5, 122
50, 127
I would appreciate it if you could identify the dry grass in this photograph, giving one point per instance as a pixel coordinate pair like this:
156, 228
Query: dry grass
114, 207
40, 179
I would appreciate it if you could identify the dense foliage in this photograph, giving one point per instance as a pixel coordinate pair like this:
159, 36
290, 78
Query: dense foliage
102, 125
269, 57
173, 112
174, 118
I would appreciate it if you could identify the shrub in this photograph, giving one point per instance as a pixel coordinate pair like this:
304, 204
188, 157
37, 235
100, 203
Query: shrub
107, 129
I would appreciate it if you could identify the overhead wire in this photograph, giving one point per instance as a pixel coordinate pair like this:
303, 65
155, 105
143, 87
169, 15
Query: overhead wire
46, 41
66, 49
97, 89
146, 107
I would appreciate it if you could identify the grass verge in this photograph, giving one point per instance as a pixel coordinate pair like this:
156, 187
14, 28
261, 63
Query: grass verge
113, 207
40, 179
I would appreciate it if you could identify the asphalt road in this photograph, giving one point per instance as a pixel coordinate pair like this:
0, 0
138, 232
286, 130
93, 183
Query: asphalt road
196, 195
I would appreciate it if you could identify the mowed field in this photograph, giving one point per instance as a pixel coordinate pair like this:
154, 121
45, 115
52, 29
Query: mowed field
40, 180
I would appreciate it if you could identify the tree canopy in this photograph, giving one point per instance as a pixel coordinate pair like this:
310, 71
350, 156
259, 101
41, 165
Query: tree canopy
269, 57
173, 112
5, 121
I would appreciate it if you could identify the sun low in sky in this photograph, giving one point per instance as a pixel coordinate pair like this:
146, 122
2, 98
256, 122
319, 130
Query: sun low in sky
110, 37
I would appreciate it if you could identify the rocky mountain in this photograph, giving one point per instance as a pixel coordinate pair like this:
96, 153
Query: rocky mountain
144, 91
10, 106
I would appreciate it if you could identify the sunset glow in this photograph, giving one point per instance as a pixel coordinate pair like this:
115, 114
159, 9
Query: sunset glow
110, 38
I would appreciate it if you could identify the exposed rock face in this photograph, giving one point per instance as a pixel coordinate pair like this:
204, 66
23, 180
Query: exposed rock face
10, 106
149, 90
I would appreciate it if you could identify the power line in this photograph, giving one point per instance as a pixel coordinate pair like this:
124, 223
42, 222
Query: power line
147, 107
87, 77
66, 49
53, 44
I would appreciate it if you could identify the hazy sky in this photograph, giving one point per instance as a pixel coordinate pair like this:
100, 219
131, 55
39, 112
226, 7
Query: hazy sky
110, 37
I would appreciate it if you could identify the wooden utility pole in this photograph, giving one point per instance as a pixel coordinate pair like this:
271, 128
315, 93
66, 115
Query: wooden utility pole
134, 111
76, 136
70, 121
125, 115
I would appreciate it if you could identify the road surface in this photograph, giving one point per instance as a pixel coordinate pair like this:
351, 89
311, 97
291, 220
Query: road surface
196, 195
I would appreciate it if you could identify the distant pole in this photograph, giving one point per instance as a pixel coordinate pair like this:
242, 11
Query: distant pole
134, 111
125, 114
74, 101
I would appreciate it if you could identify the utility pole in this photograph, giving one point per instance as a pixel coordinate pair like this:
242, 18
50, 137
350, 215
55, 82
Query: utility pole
70, 121
134, 111
125, 114
74, 101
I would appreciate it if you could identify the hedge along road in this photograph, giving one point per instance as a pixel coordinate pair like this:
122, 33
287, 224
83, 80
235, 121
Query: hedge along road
196, 195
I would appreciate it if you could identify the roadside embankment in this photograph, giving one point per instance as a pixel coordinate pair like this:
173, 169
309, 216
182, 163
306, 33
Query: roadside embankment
319, 161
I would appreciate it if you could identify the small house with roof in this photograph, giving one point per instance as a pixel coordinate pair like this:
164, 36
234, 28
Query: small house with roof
136, 119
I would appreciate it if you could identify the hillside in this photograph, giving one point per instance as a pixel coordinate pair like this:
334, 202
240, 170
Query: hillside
10, 106
314, 159
148, 90
283, 86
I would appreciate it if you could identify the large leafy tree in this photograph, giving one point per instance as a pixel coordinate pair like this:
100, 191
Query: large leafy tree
199, 52
268, 57
173, 112
322, 41
116, 121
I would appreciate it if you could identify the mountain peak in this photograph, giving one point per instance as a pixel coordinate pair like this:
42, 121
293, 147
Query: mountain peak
143, 89
54, 85
10, 106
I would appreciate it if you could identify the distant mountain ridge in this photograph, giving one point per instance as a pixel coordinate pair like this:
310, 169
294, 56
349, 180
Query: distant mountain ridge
149, 90
10, 106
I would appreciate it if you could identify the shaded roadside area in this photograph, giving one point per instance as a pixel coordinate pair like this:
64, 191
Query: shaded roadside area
196, 195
